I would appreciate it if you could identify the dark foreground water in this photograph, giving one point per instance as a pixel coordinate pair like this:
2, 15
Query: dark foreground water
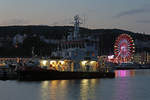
128, 85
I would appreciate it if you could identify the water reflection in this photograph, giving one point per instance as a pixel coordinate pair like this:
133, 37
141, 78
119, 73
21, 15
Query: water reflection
88, 89
124, 73
54, 89
128, 85
74, 89
131, 85
123, 88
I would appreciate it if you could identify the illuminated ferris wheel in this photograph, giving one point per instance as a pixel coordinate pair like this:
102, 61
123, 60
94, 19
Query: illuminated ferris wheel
124, 48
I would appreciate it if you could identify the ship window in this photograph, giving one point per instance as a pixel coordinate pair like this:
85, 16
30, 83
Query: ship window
83, 46
72, 45
80, 45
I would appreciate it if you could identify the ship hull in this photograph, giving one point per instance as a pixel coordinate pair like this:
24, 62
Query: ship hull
56, 75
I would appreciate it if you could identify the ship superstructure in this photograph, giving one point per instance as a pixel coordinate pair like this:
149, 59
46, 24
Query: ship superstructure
81, 50
77, 47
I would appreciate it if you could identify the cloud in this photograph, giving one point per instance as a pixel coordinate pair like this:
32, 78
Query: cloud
15, 22
132, 12
143, 21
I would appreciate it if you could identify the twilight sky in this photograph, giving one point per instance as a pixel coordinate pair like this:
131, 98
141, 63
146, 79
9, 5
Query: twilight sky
132, 15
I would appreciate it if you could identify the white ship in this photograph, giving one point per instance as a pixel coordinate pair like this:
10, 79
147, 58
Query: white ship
78, 52
76, 58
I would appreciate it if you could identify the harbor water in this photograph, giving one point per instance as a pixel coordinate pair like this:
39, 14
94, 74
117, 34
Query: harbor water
127, 85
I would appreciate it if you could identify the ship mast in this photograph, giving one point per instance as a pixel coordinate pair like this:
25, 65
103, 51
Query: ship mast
76, 27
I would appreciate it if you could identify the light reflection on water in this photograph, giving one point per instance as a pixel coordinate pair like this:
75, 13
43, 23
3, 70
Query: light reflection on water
124, 73
122, 89
128, 85
69, 89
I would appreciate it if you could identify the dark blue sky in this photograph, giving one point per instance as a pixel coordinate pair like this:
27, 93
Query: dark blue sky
133, 15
